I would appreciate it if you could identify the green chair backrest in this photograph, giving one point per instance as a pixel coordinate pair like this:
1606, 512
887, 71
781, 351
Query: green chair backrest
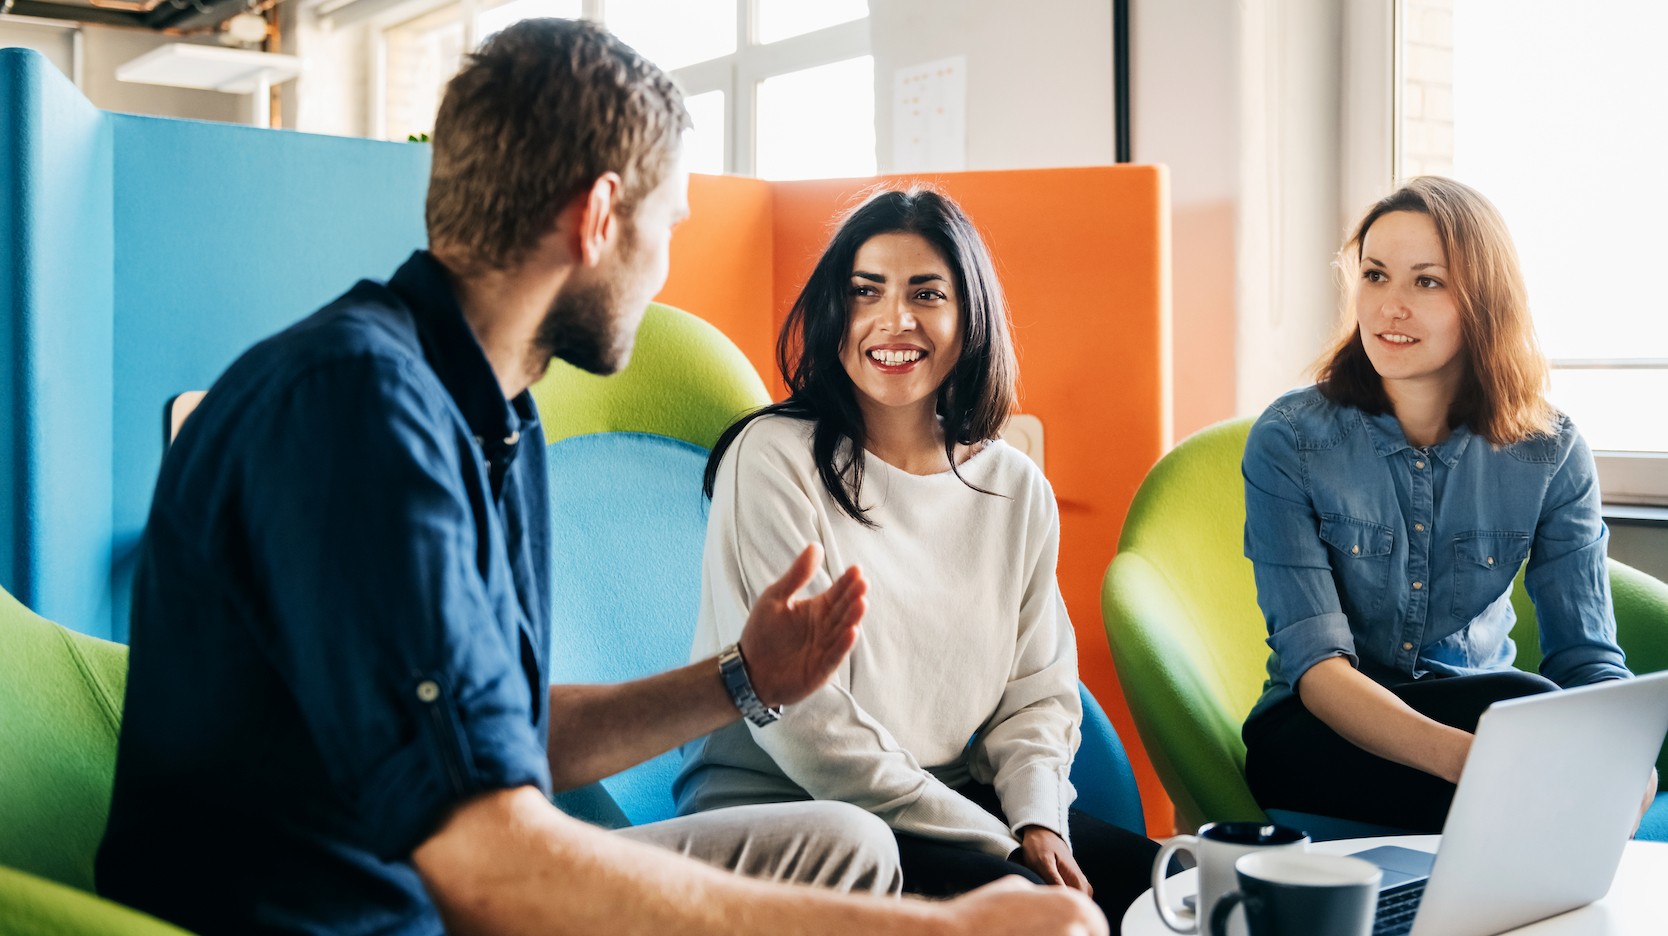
688, 382
60, 709
1180, 608
1641, 605
1181, 616
627, 455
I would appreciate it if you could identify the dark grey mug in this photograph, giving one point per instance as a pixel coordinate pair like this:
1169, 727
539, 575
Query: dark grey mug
1283, 893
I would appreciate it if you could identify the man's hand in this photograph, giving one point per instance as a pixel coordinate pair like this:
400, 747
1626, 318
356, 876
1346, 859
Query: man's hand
792, 645
1017, 907
1045, 852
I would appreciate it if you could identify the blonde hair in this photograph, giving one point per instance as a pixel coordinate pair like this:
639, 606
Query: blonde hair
1502, 395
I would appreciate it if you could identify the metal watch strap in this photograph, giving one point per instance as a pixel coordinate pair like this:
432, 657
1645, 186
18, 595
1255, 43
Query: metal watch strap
733, 670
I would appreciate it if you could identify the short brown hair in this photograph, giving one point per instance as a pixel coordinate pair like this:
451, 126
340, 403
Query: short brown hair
535, 116
1502, 396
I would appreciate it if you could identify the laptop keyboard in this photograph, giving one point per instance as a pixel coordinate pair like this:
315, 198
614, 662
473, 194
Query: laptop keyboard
1396, 907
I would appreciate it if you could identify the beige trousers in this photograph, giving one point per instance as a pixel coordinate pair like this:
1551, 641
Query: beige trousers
835, 845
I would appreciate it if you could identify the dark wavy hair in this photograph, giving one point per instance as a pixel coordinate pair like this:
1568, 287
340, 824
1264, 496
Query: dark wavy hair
974, 401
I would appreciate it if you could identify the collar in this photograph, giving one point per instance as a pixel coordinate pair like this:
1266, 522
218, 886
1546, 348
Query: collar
1388, 439
455, 354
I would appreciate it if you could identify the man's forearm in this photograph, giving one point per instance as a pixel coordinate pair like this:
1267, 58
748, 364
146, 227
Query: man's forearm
597, 731
507, 863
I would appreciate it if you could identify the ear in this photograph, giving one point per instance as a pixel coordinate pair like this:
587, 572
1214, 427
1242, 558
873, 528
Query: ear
598, 224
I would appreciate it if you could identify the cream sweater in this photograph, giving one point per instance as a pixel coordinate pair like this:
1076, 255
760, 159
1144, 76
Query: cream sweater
966, 637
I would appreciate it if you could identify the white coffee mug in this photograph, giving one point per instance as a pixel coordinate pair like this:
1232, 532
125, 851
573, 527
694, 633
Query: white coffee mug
1215, 849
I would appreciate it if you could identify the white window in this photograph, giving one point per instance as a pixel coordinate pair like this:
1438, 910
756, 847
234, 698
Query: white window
1553, 110
418, 57
782, 89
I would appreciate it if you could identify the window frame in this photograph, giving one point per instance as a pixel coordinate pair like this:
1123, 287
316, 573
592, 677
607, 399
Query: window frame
737, 74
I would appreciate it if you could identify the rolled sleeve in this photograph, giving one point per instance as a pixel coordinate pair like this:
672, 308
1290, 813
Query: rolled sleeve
1567, 577
1293, 572
406, 674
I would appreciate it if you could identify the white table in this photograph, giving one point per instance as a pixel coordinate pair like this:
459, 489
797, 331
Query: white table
1637, 904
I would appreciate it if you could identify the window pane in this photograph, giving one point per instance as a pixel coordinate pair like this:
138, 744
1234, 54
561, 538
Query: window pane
1614, 408
1571, 156
703, 146
495, 18
675, 33
422, 55
780, 19
818, 123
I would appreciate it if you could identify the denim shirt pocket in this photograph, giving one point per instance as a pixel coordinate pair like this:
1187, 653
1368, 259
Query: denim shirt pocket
1360, 551
1485, 562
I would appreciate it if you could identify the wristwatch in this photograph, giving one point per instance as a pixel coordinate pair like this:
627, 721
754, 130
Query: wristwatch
733, 670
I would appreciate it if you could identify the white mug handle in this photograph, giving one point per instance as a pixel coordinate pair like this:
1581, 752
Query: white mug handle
1166, 911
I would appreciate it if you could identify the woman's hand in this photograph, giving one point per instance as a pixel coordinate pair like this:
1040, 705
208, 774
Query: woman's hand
1650, 798
1045, 852
793, 645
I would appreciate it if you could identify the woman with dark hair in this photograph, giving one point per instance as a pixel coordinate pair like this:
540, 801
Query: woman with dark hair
956, 717
1388, 509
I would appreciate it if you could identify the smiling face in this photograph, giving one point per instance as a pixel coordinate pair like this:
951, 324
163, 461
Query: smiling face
903, 332
1405, 307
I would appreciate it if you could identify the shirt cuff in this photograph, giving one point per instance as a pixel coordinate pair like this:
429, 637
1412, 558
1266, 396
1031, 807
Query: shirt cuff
1038, 795
1599, 667
1301, 644
455, 756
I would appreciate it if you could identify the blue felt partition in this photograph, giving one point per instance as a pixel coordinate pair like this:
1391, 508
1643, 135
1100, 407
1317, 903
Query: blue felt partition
144, 255
56, 289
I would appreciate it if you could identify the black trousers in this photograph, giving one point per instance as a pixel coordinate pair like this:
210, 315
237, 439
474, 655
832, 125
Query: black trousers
1117, 862
1294, 761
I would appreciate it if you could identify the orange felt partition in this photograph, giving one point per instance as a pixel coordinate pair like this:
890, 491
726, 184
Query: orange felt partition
1084, 257
721, 265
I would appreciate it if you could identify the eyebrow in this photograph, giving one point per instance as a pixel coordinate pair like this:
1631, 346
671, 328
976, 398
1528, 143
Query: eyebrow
913, 280
1417, 266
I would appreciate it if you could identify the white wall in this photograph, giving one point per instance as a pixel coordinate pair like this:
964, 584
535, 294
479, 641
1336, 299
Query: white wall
1039, 75
1184, 113
1248, 102
1291, 186
106, 48
55, 42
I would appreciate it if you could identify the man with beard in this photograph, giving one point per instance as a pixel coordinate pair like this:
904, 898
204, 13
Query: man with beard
338, 717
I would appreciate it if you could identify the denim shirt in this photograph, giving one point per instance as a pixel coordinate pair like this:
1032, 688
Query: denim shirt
1402, 559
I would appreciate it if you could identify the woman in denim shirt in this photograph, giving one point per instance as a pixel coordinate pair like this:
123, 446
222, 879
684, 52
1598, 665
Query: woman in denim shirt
1388, 509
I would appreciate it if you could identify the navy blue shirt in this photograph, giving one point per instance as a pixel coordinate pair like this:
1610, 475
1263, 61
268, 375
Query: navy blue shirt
340, 623
1402, 559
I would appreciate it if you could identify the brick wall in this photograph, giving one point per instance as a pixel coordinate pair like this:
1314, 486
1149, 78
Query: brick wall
1427, 129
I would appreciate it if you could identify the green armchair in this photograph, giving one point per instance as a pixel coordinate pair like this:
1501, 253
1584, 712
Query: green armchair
1180, 608
60, 708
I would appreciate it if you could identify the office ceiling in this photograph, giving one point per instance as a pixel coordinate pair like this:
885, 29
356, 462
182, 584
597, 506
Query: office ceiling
144, 14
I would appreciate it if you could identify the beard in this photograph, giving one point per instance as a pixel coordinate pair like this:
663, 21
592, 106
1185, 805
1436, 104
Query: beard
583, 328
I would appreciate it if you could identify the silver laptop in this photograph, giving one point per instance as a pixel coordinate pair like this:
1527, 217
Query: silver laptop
1549, 796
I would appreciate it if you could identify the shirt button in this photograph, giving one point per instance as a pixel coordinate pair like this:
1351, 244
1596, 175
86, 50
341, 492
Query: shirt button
1491, 560
1418, 464
1418, 585
1420, 527
513, 437
1355, 550
428, 690
1407, 646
